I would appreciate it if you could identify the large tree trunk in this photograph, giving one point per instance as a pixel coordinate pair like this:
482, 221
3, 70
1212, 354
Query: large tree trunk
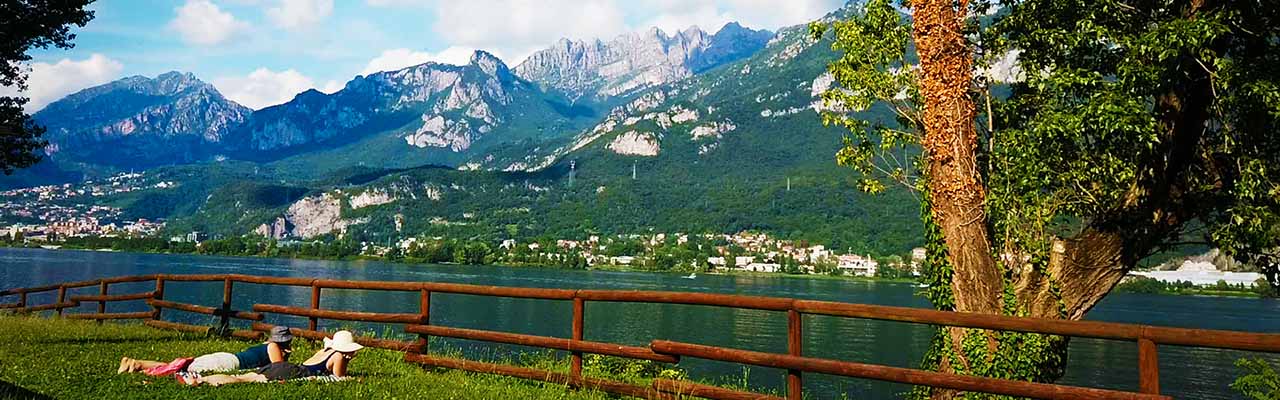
956, 190
1080, 270
957, 193
1083, 268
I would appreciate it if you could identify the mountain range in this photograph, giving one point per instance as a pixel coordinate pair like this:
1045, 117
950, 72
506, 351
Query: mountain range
691, 132
596, 70
425, 114
137, 122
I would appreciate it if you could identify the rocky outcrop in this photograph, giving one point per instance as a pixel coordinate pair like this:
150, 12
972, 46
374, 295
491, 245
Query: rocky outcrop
633, 143
714, 130
308, 218
278, 229
371, 197
637, 61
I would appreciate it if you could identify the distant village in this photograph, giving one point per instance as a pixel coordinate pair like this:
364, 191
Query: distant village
46, 213
744, 251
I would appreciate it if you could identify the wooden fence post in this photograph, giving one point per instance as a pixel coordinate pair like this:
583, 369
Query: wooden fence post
22, 299
159, 295
424, 308
794, 340
62, 297
315, 305
102, 305
579, 308
224, 326
1148, 366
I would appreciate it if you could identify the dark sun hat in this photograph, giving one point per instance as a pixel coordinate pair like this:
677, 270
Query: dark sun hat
280, 334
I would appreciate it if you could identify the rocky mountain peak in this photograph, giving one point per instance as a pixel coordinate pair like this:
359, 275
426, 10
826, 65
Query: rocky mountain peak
490, 64
693, 33
635, 61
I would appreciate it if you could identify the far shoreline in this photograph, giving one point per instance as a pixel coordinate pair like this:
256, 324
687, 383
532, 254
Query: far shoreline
616, 268
417, 262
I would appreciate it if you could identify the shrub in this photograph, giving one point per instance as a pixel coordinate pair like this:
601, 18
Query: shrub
1260, 382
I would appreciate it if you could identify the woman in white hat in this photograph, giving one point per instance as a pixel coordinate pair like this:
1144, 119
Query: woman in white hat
332, 360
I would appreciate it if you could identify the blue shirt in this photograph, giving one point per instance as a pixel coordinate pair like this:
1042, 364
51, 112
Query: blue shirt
254, 357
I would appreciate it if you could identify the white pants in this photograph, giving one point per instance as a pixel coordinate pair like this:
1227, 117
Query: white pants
214, 362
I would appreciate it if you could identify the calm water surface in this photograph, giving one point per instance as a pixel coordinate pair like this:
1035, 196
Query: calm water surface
1185, 373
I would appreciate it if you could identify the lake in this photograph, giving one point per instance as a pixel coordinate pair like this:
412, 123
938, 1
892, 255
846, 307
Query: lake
1184, 372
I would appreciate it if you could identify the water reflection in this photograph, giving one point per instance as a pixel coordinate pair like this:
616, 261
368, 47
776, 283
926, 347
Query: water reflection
1185, 373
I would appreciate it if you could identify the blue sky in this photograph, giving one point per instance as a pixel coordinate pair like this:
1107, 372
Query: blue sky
262, 52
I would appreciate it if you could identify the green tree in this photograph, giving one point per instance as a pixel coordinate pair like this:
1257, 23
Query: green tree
26, 25
1263, 288
1260, 381
1126, 125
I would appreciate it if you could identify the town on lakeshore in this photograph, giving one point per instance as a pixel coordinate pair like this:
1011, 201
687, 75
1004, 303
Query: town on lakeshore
53, 224
55, 215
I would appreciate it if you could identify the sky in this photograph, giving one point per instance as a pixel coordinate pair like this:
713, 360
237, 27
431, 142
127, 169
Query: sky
263, 52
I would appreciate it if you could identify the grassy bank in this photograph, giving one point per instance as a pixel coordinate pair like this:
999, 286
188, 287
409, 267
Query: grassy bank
65, 359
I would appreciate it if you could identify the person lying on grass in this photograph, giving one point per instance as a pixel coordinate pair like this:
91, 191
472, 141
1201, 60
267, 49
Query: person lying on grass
331, 361
275, 349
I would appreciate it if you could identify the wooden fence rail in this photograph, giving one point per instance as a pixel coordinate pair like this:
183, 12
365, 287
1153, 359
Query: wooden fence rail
1148, 338
571, 345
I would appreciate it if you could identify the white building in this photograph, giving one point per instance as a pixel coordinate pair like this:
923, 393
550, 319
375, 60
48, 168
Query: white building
817, 253
1202, 273
740, 262
763, 267
857, 265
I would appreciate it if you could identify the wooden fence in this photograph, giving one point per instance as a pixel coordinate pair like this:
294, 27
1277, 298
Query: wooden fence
1148, 338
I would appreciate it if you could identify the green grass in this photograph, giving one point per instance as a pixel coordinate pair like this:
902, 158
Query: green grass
56, 358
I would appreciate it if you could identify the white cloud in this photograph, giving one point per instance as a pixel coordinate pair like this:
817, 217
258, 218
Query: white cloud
264, 87
394, 3
512, 29
332, 87
203, 23
524, 26
49, 82
396, 59
293, 14
773, 14
705, 16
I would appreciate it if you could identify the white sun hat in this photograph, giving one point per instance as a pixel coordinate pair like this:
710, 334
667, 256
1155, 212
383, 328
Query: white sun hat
342, 341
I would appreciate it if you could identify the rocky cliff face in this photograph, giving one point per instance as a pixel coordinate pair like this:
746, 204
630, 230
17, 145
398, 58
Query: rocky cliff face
142, 122
426, 106
594, 69
308, 218
772, 93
